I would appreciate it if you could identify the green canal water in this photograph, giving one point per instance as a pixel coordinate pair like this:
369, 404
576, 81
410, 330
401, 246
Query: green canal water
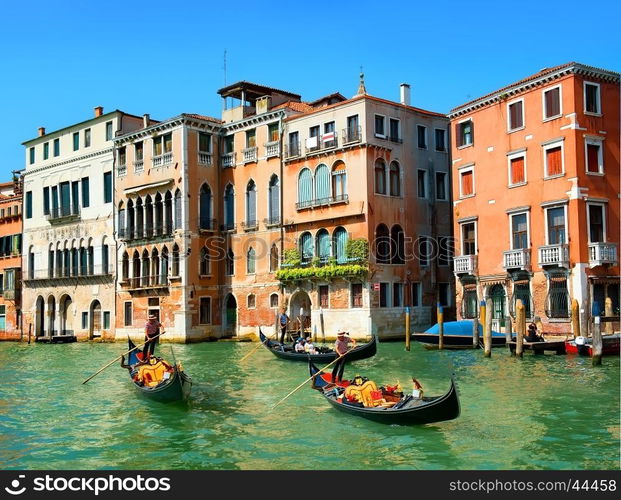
539, 412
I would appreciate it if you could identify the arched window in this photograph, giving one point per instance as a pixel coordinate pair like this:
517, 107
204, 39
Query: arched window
380, 176
274, 300
205, 208
105, 259
125, 266
251, 204
177, 209
121, 226
382, 245
251, 261
305, 188
31, 263
229, 207
83, 261
139, 218
146, 267
322, 184
148, 209
204, 263
136, 269
323, 245
339, 181
306, 246
159, 215
340, 244
175, 260
155, 267
395, 182
50, 261
230, 263
164, 267
130, 220
397, 245
168, 213
274, 200
90, 258
274, 261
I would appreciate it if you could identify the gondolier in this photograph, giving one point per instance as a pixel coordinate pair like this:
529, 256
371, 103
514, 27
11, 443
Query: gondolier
341, 347
152, 330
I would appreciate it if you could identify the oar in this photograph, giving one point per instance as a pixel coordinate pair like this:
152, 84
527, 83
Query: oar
309, 378
119, 357
256, 347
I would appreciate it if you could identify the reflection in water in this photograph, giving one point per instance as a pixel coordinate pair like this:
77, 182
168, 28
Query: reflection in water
544, 412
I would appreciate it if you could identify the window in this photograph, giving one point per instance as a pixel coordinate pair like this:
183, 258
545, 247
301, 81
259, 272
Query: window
294, 144
468, 238
122, 156
32, 155
417, 294
204, 263
425, 248
591, 98
421, 133
46, 200
515, 115
394, 179
339, 244
87, 138
84, 320
382, 245
175, 260
397, 245
384, 294
105, 259
56, 147
204, 142
552, 103
106, 320
444, 294
339, 181
323, 246
274, 300
556, 225
329, 136
553, 160
251, 301
352, 131
380, 130
251, 138
272, 132
107, 178
274, 260
519, 231
441, 188
422, 184
162, 144
251, 261
517, 169
108, 131
127, 314
558, 300
28, 204
251, 204
305, 188
596, 221
464, 133
445, 251
469, 301
594, 156
466, 182
139, 151
397, 294
356, 295
204, 316
204, 208
395, 130
229, 207
380, 176
85, 192
229, 265
76, 141
312, 143
46, 150
322, 183
306, 246
440, 136
324, 296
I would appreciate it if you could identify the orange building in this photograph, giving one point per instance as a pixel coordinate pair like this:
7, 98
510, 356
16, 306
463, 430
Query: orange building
536, 196
10, 259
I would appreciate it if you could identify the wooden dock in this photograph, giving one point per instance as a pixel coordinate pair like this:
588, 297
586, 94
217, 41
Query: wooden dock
57, 339
556, 346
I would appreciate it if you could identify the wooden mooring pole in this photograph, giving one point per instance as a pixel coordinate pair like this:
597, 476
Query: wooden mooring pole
440, 327
608, 328
575, 318
407, 328
597, 341
520, 319
508, 329
487, 332
475, 332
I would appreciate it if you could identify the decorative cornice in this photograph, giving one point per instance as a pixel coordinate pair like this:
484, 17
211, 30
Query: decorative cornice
72, 160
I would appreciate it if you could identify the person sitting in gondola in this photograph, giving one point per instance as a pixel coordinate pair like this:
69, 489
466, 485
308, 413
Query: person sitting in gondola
532, 335
309, 348
154, 372
299, 345
417, 390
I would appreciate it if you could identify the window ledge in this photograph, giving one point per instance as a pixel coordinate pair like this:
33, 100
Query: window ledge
511, 131
559, 320
596, 174
463, 197
465, 146
590, 113
554, 176
518, 184
550, 118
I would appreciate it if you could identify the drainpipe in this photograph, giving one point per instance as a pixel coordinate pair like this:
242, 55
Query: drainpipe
282, 182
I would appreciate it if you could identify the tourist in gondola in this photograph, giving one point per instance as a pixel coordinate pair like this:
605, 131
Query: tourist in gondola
532, 335
341, 346
417, 390
299, 345
152, 330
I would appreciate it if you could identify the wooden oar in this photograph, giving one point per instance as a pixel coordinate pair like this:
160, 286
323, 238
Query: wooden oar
309, 378
119, 357
256, 347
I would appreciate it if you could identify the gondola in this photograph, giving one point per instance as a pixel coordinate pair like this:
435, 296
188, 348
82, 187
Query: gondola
584, 345
176, 387
457, 335
283, 351
405, 410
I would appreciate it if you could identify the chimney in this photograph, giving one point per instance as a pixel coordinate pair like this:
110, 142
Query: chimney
98, 111
405, 94
145, 120
41, 131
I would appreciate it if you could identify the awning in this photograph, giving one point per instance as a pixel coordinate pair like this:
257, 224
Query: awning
152, 185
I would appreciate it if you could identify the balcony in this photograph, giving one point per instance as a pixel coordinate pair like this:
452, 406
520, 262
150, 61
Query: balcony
207, 224
204, 158
250, 154
465, 264
74, 272
138, 166
227, 160
250, 225
317, 144
162, 160
602, 254
145, 283
292, 150
351, 135
13, 294
121, 170
271, 149
554, 255
67, 213
516, 259
145, 233
322, 202
271, 221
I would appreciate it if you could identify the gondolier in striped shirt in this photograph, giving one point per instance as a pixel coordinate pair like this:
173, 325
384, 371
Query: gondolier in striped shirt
151, 335
341, 347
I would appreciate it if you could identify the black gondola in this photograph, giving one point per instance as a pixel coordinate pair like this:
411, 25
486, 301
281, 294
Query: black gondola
406, 410
176, 387
283, 351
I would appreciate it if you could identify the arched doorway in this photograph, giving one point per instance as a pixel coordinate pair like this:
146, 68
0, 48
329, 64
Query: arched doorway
39, 317
66, 315
95, 319
300, 311
230, 313
51, 316
497, 298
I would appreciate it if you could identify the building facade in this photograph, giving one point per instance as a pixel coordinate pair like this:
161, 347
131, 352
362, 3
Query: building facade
11, 259
536, 197
68, 240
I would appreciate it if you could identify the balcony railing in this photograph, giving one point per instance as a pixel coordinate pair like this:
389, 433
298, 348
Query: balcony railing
322, 202
601, 254
271, 221
250, 225
204, 158
465, 264
292, 150
554, 255
207, 224
145, 282
323, 144
228, 160
352, 134
250, 154
271, 149
161, 160
138, 166
121, 170
145, 232
228, 226
58, 214
516, 259
71, 272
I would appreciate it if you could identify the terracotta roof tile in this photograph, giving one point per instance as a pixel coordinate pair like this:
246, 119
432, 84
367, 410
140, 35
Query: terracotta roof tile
299, 107
202, 117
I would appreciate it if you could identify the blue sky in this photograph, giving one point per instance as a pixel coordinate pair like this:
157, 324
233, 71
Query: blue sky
61, 59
